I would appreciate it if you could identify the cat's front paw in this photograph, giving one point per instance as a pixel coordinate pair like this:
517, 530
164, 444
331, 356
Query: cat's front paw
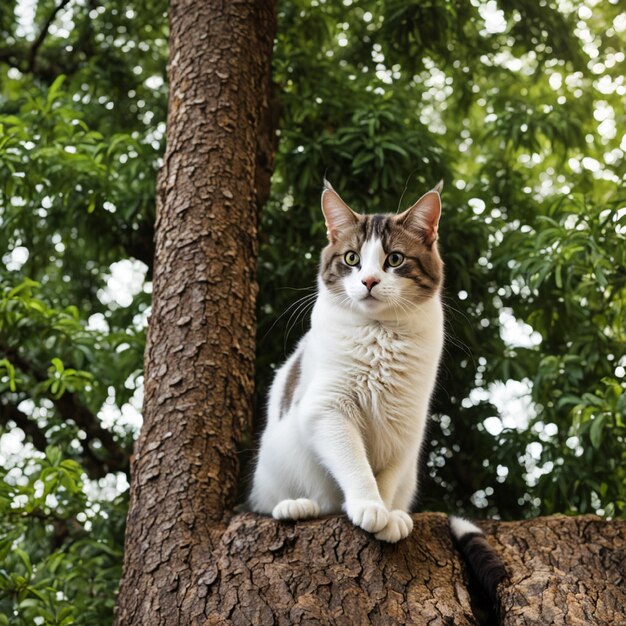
370, 515
302, 508
398, 527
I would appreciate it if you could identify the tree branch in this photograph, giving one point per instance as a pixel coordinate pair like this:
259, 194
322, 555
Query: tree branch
17, 57
48, 67
32, 55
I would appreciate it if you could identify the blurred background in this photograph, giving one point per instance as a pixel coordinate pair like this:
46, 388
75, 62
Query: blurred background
518, 104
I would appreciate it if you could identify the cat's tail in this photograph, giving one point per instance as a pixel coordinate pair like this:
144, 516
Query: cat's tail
482, 559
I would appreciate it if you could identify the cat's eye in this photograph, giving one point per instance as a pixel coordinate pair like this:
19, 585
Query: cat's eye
395, 259
351, 258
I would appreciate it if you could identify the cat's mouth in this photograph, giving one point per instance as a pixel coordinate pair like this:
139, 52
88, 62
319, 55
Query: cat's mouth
369, 298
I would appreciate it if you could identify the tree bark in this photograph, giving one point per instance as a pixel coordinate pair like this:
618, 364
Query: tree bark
199, 362
330, 572
563, 570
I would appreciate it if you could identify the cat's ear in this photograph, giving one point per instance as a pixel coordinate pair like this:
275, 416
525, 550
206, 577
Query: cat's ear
337, 213
424, 215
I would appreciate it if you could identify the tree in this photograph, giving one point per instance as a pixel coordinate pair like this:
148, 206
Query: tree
198, 388
516, 105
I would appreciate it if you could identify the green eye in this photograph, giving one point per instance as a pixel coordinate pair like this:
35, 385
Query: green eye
395, 259
351, 258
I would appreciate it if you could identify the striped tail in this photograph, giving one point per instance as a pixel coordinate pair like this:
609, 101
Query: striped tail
482, 559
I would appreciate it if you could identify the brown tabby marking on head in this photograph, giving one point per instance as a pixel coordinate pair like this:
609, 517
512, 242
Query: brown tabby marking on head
293, 378
375, 226
422, 264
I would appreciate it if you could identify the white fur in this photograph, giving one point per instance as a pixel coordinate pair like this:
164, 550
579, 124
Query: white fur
461, 527
352, 437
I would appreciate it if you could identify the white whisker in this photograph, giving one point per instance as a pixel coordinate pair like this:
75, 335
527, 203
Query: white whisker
293, 304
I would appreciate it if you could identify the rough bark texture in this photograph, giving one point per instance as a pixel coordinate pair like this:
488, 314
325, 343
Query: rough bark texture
329, 572
200, 349
562, 571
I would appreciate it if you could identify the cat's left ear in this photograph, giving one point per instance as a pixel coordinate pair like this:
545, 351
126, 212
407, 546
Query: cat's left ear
424, 215
337, 213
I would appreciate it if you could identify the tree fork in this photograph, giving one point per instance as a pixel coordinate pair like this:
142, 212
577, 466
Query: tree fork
199, 360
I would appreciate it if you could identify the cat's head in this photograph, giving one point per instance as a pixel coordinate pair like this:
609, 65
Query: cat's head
381, 265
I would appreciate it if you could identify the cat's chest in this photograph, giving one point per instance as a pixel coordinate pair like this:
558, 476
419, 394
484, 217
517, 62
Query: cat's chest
380, 361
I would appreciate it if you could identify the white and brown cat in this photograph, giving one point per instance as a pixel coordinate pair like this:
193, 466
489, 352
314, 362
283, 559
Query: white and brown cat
347, 411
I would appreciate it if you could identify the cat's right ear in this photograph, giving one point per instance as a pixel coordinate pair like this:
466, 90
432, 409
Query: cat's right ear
423, 216
337, 213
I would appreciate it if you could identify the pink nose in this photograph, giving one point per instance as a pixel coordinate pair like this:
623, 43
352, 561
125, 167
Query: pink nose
370, 282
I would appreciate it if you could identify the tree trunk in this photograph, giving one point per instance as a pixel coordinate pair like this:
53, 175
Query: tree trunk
199, 362
330, 572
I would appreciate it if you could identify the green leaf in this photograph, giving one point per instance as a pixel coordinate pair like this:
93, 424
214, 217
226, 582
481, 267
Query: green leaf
54, 90
595, 431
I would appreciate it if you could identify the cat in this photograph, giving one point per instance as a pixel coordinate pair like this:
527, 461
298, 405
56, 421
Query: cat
347, 411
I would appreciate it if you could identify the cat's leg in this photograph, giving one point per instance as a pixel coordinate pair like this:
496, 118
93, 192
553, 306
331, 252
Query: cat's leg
389, 481
399, 526
397, 484
339, 446
285, 474
404, 484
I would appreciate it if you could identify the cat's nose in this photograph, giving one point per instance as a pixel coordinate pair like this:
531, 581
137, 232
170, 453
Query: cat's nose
370, 282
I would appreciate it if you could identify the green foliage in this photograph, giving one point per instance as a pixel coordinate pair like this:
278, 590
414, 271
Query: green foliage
82, 120
573, 258
60, 551
518, 111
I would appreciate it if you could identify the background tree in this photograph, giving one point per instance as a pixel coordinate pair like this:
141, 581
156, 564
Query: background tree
516, 104
516, 107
